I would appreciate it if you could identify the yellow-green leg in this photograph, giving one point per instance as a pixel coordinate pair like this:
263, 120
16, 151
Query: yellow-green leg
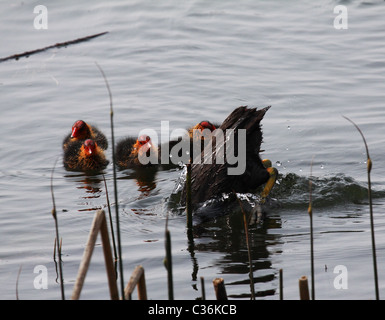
273, 172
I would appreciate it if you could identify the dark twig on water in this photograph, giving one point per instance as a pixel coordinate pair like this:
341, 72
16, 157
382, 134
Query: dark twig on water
115, 184
369, 168
57, 235
57, 45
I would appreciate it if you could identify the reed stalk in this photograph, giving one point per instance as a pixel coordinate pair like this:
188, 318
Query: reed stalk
169, 266
137, 280
54, 215
110, 218
17, 282
99, 224
54, 250
369, 168
245, 224
188, 197
220, 289
110, 266
115, 183
310, 211
280, 284
303, 288
203, 288
168, 261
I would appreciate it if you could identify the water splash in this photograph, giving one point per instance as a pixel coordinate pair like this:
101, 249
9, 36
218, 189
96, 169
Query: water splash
292, 190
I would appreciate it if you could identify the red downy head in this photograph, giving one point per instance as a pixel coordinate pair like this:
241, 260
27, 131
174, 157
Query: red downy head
206, 125
80, 130
90, 147
196, 132
145, 142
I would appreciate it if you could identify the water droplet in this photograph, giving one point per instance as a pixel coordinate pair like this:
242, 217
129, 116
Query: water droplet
278, 163
288, 128
322, 166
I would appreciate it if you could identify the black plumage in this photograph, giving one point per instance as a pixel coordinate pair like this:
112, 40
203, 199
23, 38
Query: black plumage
212, 180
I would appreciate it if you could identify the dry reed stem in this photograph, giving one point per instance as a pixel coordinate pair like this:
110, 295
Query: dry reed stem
137, 280
369, 168
115, 183
17, 282
245, 224
280, 284
188, 197
219, 288
310, 211
98, 224
169, 266
54, 215
203, 288
303, 288
110, 219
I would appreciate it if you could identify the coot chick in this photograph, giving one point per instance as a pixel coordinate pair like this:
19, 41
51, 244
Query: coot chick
210, 181
134, 153
131, 152
196, 138
84, 156
201, 126
82, 131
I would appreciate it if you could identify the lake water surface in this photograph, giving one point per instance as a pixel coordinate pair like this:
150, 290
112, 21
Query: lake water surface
183, 62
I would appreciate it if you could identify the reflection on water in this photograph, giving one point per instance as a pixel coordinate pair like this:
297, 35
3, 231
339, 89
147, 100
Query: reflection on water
145, 179
226, 235
93, 187
143, 211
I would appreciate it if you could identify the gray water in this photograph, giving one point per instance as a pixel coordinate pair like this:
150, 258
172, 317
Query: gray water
183, 62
